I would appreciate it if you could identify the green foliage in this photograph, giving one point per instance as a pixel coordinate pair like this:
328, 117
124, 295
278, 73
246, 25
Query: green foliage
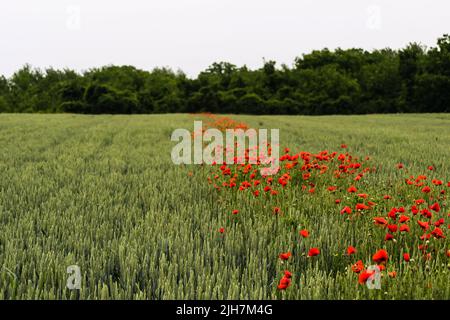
251, 103
352, 81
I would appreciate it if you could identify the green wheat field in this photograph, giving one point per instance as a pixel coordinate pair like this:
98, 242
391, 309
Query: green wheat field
101, 192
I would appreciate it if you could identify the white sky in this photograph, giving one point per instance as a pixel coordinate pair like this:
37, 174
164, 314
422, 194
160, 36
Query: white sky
192, 34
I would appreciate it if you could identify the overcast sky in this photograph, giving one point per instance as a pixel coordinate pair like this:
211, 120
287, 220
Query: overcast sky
192, 34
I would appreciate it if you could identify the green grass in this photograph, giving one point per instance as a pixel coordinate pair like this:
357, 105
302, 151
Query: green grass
101, 192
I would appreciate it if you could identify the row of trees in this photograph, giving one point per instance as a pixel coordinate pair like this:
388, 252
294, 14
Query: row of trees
353, 81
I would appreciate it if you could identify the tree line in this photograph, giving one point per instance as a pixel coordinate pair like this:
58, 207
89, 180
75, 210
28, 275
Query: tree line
351, 81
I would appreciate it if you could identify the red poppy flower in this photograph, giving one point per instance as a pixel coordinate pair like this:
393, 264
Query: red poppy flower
387, 197
431, 168
276, 210
235, 211
438, 233
419, 201
448, 253
404, 228
388, 237
426, 189
313, 252
351, 250
285, 256
427, 213
364, 276
380, 221
285, 282
393, 213
343, 146
221, 230
332, 188
392, 228
371, 203
400, 166
289, 165
380, 256
406, 257
423, 225
362, 206
352, 189
347, 210
420, 177
435, 207
358, 267
304, 233
403, 219
425, 236
440, 222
